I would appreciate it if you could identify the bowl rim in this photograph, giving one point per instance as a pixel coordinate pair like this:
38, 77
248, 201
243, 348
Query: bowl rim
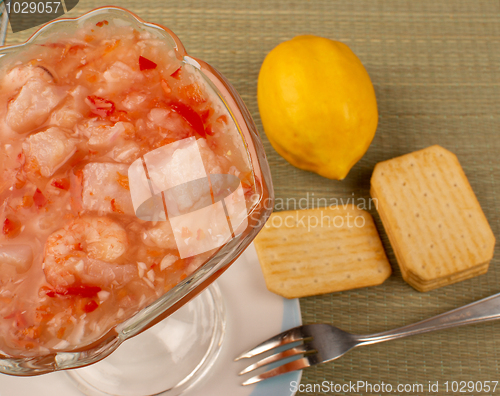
38, 31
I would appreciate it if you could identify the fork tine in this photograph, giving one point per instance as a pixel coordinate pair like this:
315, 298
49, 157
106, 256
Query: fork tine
298, 364
276, 357
284, 338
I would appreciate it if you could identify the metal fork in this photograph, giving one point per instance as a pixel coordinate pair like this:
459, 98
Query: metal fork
321, 343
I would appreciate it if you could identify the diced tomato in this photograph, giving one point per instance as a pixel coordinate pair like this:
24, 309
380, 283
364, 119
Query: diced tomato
115, 207
205, 114
120, 115
101, 23
191, 117
11, 227
91, 306
43, 312
122, 180
209, 130
222, 119
39, 199
77, 291
100, 106
27, 201
111, 47
177, 74
62, 183
83, 291
193, 93
32, 332
91, 78
146, 64
60, 332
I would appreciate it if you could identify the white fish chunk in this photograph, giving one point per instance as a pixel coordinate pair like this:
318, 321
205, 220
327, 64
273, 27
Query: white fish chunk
126, 152
19, 75
167, 261
162, 236
19, 257
120, 77
47, 151
33, 105
173, 122
120, 72
105, 188
72, 109
102, 134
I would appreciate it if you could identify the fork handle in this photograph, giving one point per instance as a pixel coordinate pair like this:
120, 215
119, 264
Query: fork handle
479, 311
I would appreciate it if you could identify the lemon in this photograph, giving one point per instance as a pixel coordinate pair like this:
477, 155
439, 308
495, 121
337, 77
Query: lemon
317, 105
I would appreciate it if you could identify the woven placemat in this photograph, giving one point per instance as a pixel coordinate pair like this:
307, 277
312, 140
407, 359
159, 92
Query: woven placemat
435, 68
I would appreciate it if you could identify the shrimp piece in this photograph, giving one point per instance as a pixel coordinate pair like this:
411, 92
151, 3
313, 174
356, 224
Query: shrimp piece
87, 251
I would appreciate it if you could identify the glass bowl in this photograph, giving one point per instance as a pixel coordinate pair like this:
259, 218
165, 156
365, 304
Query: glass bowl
183, 292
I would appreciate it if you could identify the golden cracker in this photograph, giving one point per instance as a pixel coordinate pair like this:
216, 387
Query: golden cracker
422, 285
427, 286
317, 251
432, 217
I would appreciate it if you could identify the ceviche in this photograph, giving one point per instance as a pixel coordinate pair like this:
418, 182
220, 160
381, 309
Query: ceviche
121, 173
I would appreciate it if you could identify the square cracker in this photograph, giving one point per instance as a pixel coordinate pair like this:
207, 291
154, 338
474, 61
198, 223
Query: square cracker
316, 251
436, 226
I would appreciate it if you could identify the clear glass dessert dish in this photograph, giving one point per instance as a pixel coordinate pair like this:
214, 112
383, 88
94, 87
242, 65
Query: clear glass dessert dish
192, 160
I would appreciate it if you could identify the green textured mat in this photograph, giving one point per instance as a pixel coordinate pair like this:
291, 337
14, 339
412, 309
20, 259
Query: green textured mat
436, 70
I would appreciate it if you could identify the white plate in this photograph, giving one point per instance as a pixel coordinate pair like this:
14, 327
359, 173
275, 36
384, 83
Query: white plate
253, 315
